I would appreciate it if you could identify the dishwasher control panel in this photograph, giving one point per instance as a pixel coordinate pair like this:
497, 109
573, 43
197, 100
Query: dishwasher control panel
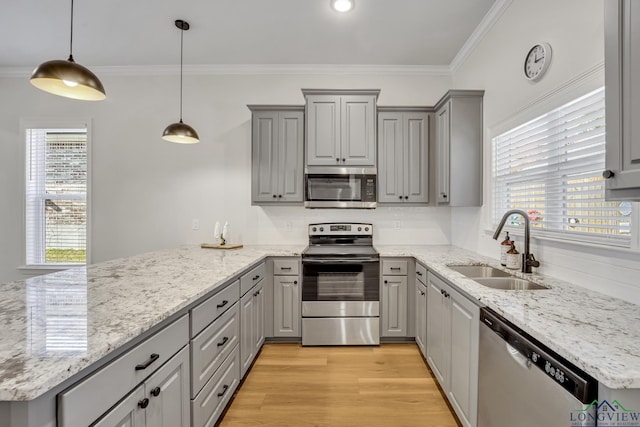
568, 376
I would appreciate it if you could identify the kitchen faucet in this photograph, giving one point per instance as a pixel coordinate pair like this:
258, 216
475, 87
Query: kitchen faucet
528, 260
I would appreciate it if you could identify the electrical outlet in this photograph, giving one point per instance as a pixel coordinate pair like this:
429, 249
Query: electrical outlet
288, 226
195, 224
397, 225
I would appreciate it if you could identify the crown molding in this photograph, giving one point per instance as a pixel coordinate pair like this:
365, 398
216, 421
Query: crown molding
251, 69
478, 34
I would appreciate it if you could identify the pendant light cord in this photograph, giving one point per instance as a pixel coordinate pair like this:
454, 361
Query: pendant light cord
71, 38
181, 55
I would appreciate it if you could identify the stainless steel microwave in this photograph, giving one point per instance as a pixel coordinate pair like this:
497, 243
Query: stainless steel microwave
340, 187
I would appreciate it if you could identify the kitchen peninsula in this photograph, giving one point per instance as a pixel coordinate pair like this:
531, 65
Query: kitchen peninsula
124, 301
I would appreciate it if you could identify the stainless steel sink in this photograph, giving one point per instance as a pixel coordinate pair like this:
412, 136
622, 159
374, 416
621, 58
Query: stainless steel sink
474, 271
509, 283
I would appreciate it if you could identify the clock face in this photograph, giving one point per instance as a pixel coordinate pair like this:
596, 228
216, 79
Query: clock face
537, 61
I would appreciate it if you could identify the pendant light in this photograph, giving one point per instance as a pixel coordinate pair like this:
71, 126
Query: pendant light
68, 78
342, 5
181, 132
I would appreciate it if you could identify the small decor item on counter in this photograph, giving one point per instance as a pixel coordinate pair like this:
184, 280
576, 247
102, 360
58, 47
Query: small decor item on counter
505, 245
225, 233
216, 233
513, 257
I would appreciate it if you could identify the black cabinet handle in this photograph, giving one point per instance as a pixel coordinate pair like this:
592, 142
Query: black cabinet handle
344, 160
224, 302
149, 361
274, 196
224, 341
608, 174
395, 268
421, 293
155, 392
279, 196
419, 273
442, 291
400, 197
386, 281
337, 160
143, 403
444, 196
224, 390
406, 197
285, 268
295, 282
257, 277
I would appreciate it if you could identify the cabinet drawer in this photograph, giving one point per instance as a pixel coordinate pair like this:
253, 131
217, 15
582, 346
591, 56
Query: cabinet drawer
288, 267
394, 268
212, 346
212, 308
209, 404
250, 279
421, 273
86, 401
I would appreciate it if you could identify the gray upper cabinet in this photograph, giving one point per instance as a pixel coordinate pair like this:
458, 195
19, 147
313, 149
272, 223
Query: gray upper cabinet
277, 162
403, 145
622, 76
340, 127
459, 148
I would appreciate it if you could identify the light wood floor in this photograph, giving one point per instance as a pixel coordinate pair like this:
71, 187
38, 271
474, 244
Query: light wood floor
291, 385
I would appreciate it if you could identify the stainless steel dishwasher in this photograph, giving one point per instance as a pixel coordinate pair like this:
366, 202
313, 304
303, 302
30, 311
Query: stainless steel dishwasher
522, 383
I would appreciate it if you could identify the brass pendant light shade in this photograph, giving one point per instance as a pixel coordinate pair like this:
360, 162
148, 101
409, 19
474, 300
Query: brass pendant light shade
181, 132
67, 78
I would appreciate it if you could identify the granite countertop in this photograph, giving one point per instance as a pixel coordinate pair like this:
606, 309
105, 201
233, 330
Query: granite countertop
109, 304
595, 332
105, 306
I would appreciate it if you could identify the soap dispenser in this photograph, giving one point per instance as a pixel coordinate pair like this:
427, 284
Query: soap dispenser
505, 245
513, 258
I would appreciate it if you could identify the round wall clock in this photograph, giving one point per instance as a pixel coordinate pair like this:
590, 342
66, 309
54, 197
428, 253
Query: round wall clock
537, 61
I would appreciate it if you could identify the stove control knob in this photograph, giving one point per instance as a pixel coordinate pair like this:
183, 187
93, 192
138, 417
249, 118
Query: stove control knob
359, 228
366, 229
547, 367
321, 228
534, 357
314, 229
552, 371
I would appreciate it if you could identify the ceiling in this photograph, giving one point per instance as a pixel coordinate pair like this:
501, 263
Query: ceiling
267, 32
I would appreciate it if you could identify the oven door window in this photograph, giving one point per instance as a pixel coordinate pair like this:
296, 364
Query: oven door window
340, 281
333, 188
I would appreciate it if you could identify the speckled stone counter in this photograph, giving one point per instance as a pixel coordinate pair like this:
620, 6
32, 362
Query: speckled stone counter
105, 306
595, 332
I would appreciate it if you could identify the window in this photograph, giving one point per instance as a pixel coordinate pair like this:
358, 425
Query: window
551, 168
56, 196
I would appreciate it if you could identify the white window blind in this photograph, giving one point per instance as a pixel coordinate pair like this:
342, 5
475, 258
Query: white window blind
551, 168
56, 196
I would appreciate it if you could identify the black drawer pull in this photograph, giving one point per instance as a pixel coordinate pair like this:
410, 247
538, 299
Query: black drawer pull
143, 403
285, 268
224, 341
396, 268
295, 282
146, 364
419, 273
224, 302
257, 277
224, 390
155, 392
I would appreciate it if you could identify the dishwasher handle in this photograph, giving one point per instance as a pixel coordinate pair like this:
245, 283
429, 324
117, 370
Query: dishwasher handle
581, 385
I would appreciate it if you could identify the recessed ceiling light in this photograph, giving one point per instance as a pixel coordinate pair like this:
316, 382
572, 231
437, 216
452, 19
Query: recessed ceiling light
342, 5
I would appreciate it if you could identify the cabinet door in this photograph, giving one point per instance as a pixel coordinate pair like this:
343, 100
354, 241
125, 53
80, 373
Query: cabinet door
622, 69
168, 393
290, 161
421, 317
127, 413
416, 157
394, 306
391, 163
323, 130
463, 384
264, 128
258, 317
358, 128
286, 306
443, 139
438, 330
247, 347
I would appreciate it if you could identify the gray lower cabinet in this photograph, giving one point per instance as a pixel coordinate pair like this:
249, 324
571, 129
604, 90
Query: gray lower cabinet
251, 326
286, 298
452, 346
622, 75
340, 127
152, 378
393, 298
421, 308
277, 134
459, 135
403, 153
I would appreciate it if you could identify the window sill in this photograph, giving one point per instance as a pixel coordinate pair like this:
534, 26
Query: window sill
45, 269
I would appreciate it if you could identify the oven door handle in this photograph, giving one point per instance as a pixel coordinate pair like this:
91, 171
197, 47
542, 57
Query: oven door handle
340, 260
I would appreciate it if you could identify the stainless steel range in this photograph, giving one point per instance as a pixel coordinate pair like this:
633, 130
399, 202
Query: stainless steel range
340, 286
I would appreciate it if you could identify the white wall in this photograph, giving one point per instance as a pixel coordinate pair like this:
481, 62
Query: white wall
145, 191
574, 28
